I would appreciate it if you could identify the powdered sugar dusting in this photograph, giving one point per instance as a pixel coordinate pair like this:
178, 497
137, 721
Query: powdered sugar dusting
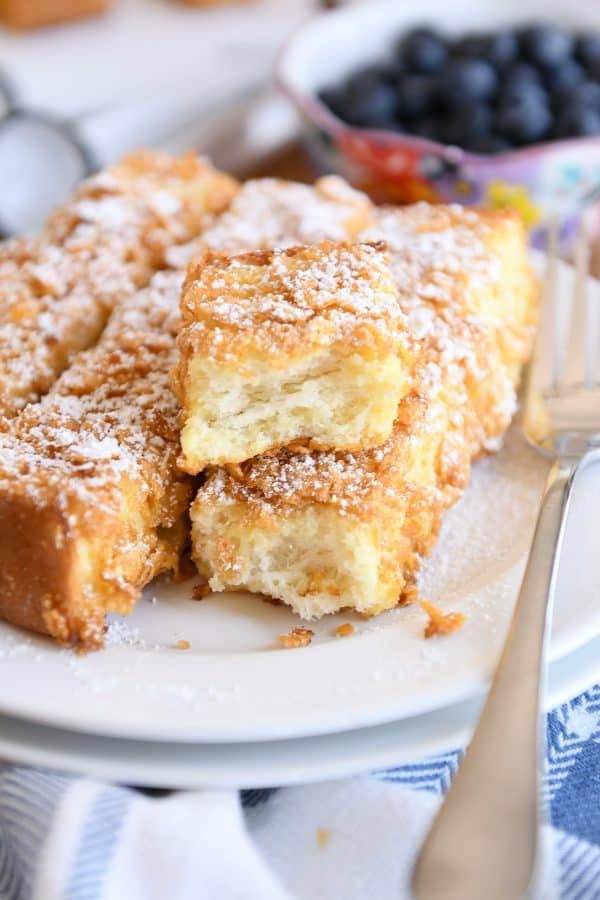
271, 213
275, 300
119, 634
57, 292
430, 247
111, 413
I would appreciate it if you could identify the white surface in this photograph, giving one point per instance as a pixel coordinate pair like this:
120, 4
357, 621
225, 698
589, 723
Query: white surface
272, 763
236, 684
148, 71
144, 50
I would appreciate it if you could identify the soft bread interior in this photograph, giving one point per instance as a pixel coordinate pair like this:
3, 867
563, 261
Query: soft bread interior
335, 399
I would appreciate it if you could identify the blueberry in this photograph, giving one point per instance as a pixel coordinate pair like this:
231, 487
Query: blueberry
473, 46
416, 96
464, 80
499, 49
592, 71
587, 50
525, 122
366, 99
389, 71
587, 94
370, 102
565, 76
514, 91
488, 143
522, 73
503, 49
466, 122
546, 45
477, 118
582, 96
423, 51
578, 122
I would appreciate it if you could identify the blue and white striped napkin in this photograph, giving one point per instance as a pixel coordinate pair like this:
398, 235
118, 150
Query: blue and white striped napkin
65, 838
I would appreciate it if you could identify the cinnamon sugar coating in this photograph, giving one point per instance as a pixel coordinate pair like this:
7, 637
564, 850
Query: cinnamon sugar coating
303, 344
466, 286
92, 506
275, 302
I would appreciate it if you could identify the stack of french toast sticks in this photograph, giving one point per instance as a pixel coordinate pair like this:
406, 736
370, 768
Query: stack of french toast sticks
285, 378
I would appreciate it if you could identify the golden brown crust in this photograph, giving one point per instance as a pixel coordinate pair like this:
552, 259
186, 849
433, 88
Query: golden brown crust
275, 337
144, 204
396, 494
283, 303
470, 297
91, 504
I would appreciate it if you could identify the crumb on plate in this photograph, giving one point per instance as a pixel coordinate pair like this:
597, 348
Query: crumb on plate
297, 637
200, 591
182, 644
439, 622
323, 838
344, 630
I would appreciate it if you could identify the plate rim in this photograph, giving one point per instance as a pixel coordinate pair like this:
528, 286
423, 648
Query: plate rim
381, 747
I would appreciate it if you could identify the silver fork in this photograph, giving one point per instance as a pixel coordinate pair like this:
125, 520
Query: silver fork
483, 842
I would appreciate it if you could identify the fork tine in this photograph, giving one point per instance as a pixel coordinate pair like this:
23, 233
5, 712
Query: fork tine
576, 337
580, 306
578, 324
582, 366
553, 305
592, 334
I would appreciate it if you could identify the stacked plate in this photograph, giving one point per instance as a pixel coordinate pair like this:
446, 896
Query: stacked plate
201, 693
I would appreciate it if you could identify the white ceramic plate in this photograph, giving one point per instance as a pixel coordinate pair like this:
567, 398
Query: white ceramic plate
236, 684
272, 763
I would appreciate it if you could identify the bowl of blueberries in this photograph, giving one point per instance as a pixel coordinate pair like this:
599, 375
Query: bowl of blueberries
487, 103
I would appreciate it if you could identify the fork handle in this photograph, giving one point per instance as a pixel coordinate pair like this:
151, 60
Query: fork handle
483, 840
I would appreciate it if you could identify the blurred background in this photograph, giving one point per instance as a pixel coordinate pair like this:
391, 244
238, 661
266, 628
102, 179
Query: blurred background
82, 81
